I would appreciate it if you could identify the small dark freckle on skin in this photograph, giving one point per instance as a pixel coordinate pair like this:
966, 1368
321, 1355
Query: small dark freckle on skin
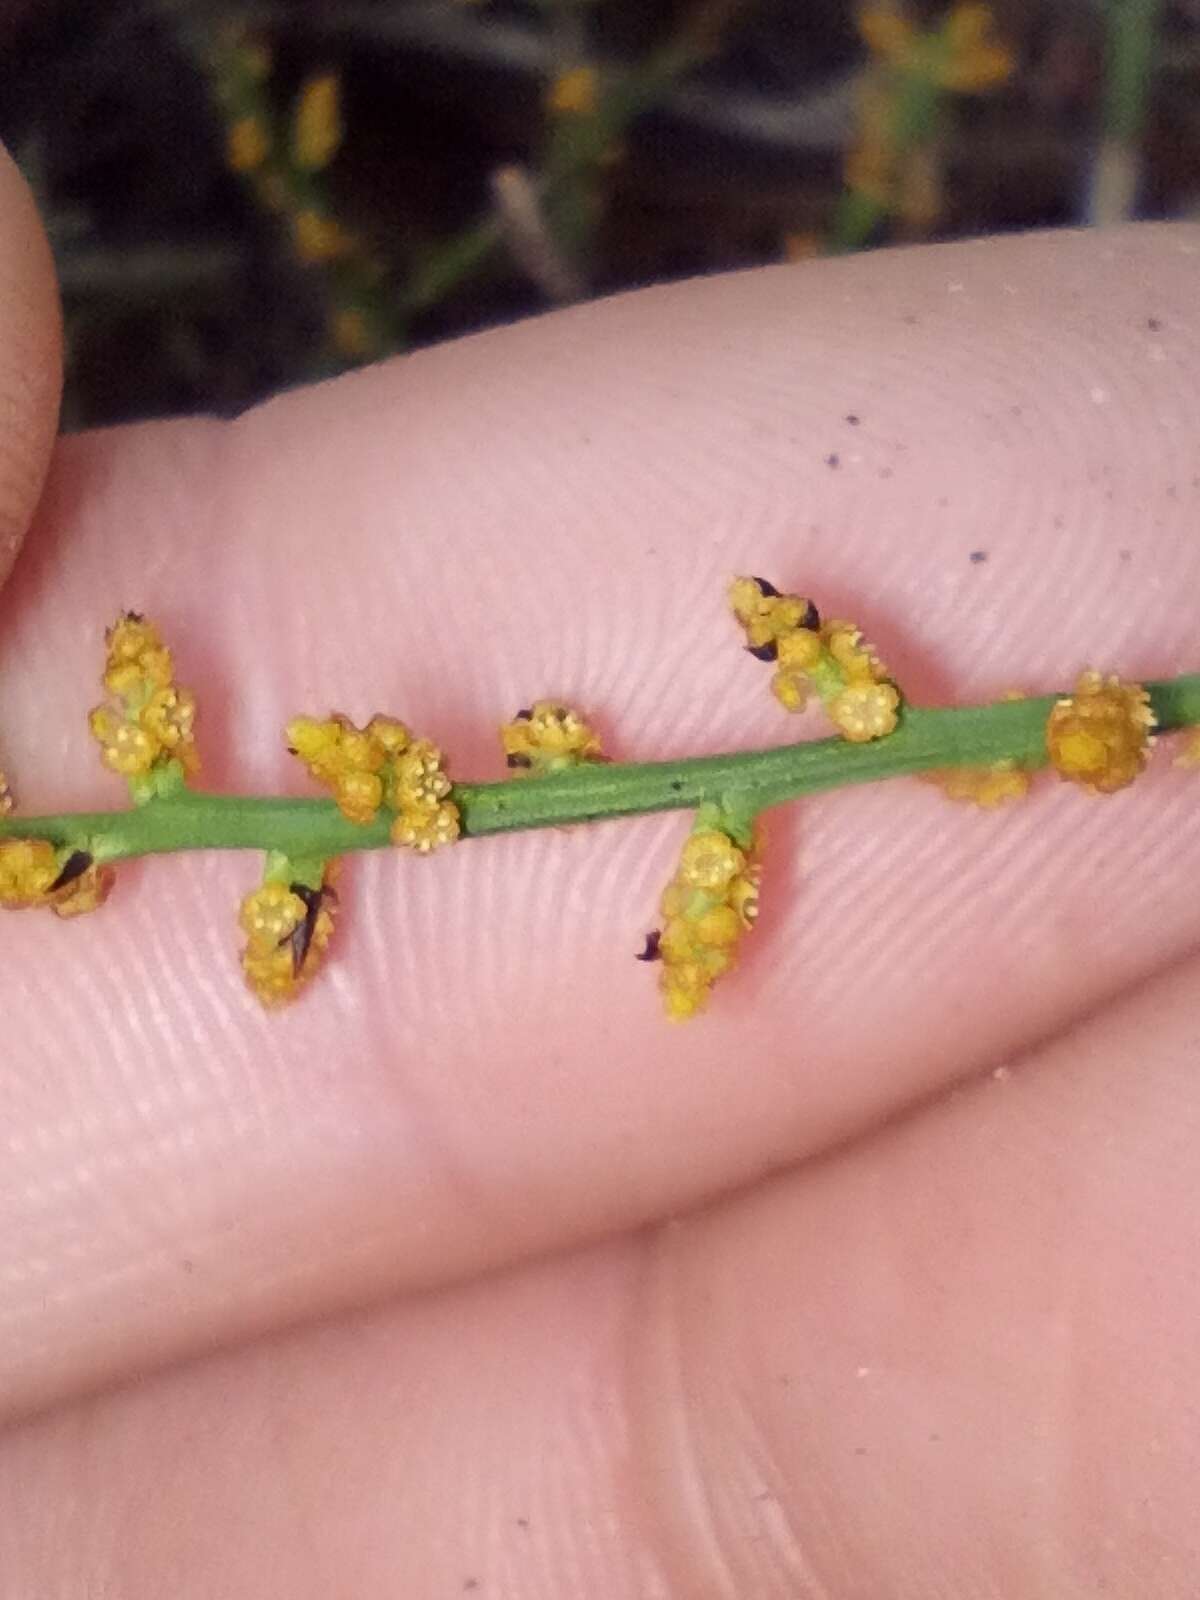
1108, 494
1172, 492
1125, 555
978, 556
910, 320
935, 1438
833, 460
522, 1522
188, 1266
942, 502
470, 1583
852, 419
1016, 411
1154, 325
860, 1449
1058, 522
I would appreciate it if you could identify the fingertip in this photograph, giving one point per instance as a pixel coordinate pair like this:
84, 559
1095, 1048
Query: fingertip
30, 358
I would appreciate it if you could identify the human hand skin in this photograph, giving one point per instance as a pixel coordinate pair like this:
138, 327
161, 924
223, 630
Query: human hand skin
472, 1273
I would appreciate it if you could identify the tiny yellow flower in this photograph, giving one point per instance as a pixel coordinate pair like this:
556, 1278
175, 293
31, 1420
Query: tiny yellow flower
1100, 736
574, 94
707, 906
710, 860
549, 737
317, 123
791, 689
126, 748
392, 737
248, 144
767, 616
319, 238
27, 869
854, 657
169, 716
287, 927
359, 795
423, 829
988, 787
419, 782
865, 711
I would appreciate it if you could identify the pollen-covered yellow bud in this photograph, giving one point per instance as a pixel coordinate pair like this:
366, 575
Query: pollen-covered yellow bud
27, 869
359, 795
987, 787
791, 689
766, 615
865, 711
799, 651
857, 661
1100, 736
169, 716
710, 860
423, 829
126, 748
288, 927
391, 736
419, 782
708, 905
549, 737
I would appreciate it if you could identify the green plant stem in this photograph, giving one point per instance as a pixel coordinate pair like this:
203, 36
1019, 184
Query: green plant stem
746, 781
1132, 30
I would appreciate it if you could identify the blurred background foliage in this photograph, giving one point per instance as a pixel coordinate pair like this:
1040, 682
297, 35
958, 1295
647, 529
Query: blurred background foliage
244, 196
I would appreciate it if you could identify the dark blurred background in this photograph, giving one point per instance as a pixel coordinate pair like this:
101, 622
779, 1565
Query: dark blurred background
241, 197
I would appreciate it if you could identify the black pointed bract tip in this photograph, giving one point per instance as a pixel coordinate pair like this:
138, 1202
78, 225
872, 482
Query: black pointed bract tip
651, 952
73, 867
518, 761
769, 589
301, 936
812, 617
764, 652
524, 715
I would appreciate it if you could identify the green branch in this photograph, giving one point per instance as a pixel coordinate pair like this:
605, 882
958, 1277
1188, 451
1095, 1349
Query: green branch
751, 781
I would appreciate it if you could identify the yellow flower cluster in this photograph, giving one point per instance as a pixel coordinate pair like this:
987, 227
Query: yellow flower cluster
575, 93
960, 55
288, 927
893, 161
317, 123
34, 873
1100, 736
988, 787
152, 731
707, 906
548, 737
831, 658
380, 765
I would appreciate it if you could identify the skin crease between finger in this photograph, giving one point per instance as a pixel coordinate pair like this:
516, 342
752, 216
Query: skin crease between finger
30, 359
555, 508
956, 1358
